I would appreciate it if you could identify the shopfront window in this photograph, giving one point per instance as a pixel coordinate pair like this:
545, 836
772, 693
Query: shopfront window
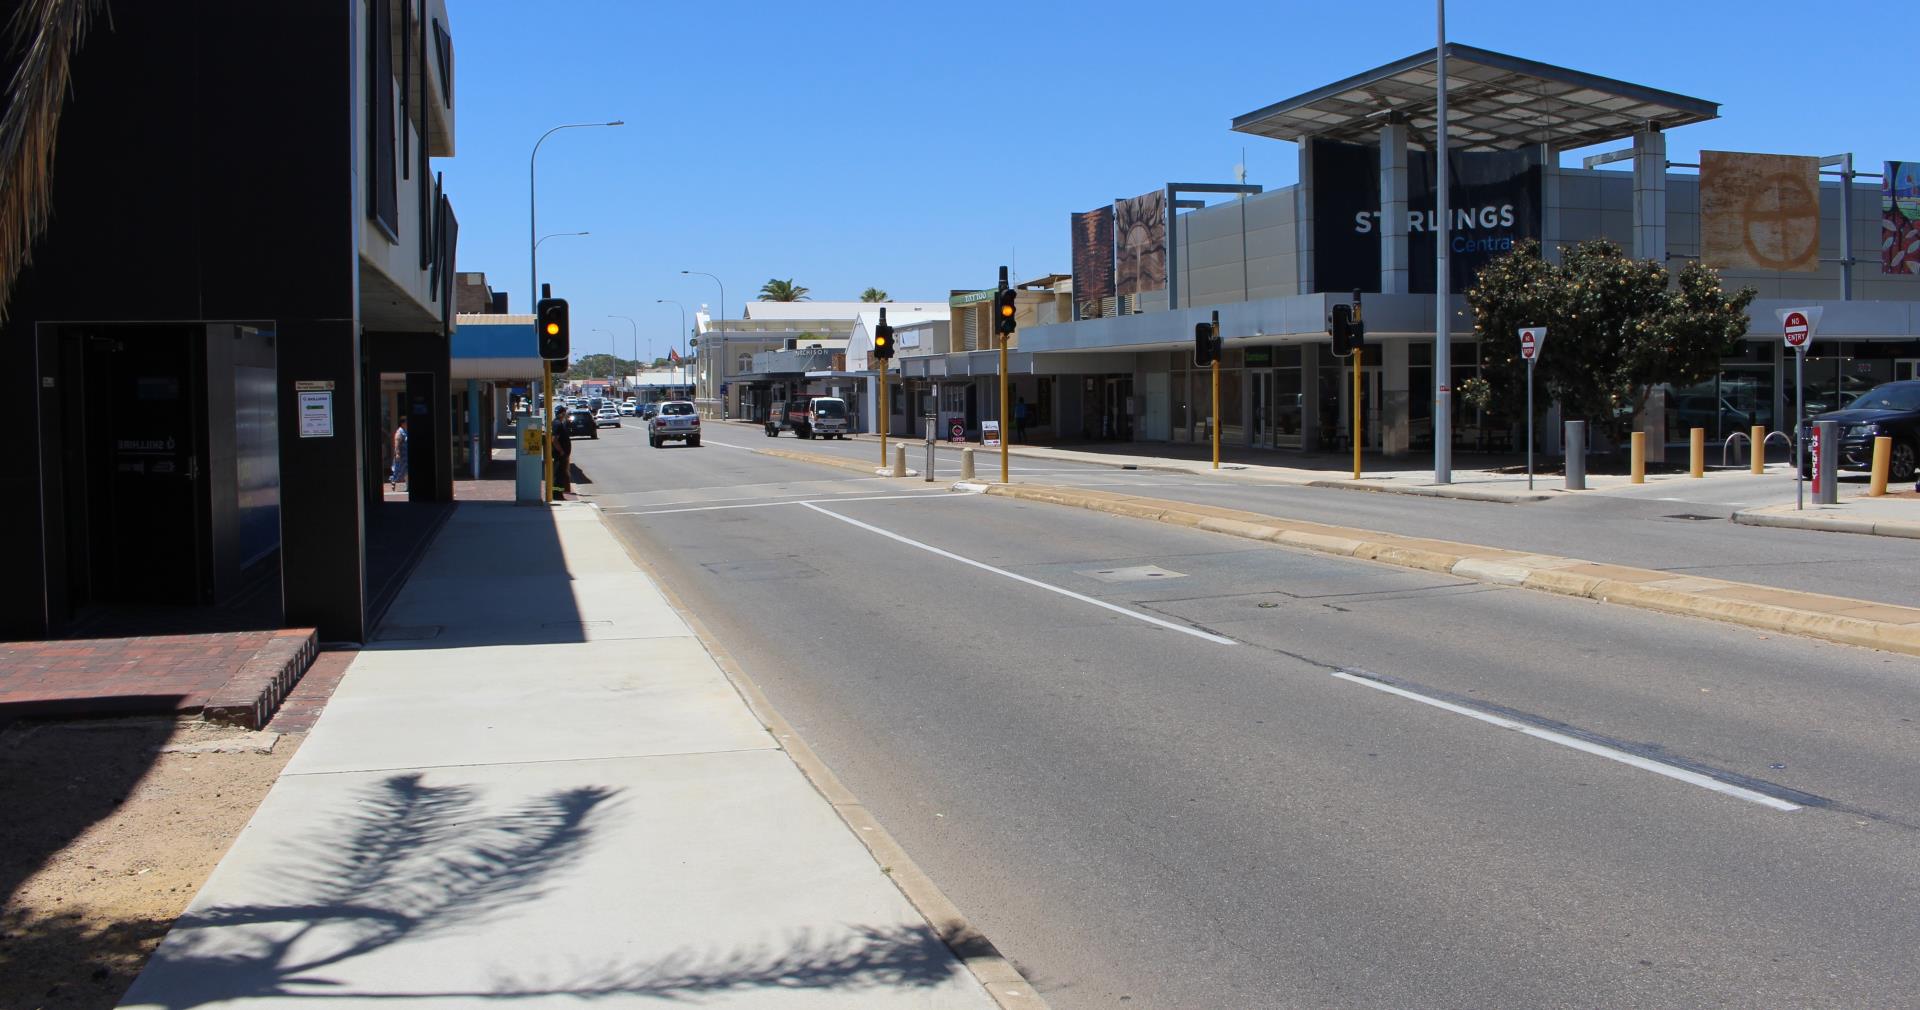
1288, 403
1182, 409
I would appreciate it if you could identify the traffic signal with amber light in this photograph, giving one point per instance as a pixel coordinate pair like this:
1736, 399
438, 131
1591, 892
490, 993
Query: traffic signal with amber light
1345, 334
1003, 312
1206, 344
883, 338
550, 322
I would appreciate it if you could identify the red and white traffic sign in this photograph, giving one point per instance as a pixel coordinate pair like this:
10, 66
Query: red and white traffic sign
1799, 324
1796, 327
1531, 337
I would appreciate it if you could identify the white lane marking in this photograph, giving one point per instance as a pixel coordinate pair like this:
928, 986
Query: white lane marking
1036, 583
727, 445
771, 504
1586, 746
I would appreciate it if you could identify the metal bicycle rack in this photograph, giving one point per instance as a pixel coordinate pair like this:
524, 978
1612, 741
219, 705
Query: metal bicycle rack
1766, 440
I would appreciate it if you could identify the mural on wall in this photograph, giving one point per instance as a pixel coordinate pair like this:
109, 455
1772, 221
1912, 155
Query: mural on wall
1900, 218
1092, 260
1760, 211
1140, 243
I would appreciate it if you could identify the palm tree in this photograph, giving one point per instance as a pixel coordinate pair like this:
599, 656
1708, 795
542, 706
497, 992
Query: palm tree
873, 295
43, 35
782, 291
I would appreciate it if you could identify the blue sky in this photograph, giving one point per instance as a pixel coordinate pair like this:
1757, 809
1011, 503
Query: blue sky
853, 144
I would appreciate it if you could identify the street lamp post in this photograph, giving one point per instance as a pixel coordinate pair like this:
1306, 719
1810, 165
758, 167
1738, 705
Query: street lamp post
533, 295
559, 234
681, 340
638, 366
723, 324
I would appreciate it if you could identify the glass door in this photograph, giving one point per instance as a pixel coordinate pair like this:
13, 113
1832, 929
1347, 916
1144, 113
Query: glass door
1260, 431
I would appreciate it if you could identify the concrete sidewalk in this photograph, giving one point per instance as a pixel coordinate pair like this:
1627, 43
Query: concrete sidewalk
1894, 515
539, 786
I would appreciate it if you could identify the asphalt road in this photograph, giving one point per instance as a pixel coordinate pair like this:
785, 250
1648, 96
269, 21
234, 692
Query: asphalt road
1269, 778
1684, 535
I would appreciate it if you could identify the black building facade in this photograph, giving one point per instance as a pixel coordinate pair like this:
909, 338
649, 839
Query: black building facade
245, 241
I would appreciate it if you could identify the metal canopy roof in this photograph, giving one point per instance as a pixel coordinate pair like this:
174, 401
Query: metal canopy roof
1495, 102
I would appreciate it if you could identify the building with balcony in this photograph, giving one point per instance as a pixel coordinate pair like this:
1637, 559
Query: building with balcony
245, 283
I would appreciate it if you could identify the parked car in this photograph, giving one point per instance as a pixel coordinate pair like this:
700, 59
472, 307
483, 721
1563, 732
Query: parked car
1891, 409
609, 416
816, 417
581, 422
677, 421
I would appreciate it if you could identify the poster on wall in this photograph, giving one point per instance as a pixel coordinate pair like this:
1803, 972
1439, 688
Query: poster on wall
1760, 211
1900, 218
1140, 243
1493, 198
1092, 260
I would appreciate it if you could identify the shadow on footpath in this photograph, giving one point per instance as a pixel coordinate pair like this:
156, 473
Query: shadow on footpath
415, 861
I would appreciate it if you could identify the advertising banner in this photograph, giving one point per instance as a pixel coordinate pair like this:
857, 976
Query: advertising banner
1900, 218
1092, 260
1140, 243
1493, 198
1760, 211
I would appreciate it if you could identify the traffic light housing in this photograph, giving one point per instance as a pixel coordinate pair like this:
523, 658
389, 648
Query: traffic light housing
1345, 333
1206, 344
550, 325
883, 341
1004, 308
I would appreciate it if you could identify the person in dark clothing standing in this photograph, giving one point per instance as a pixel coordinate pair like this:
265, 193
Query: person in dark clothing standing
562, 455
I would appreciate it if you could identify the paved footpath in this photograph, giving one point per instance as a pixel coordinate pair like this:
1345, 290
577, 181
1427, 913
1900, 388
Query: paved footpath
539, 786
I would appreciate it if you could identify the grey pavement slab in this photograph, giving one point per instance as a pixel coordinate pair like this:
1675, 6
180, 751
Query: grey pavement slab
537, 819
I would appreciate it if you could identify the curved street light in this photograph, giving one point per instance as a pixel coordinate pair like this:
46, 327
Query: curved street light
559, 234
723, 327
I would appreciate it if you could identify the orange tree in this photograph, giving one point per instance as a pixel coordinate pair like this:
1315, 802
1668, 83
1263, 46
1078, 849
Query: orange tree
1616, 327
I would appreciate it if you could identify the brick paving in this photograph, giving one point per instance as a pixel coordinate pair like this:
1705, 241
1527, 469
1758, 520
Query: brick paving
302, 708
242, 673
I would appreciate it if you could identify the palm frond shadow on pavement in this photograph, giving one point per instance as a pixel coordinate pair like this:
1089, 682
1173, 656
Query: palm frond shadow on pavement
415, 860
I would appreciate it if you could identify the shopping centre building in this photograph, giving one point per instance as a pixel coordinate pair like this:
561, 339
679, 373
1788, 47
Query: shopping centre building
1109, 353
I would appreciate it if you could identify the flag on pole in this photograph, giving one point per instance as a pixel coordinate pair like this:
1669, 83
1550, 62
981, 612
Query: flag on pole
673, 355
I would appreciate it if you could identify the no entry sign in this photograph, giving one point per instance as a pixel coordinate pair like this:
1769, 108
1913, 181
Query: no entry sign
1531, 337
1796, 327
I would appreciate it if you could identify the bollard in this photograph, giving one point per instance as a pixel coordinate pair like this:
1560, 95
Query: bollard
1697, 460
1757, 446
1826, 469
1639, 462
928, 476
966, 464
1882, 458
899, 461
1576, 450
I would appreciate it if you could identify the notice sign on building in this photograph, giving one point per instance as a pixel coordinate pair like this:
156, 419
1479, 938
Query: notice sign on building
1760, 211
316, 408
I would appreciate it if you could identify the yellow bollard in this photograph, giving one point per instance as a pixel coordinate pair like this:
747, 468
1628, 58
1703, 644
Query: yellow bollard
1697, 461
1639, 457
1758, 448
1882, 458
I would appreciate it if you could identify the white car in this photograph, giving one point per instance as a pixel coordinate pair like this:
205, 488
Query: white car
609, 416
627, 408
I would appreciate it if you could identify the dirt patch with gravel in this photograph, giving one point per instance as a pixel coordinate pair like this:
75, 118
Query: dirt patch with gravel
110, 827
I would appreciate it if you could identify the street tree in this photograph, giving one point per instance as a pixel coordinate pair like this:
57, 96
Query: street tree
777, 290
873, 295
601, 366
1617, 327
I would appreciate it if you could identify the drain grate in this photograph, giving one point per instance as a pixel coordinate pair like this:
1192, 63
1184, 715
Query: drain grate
1694, 517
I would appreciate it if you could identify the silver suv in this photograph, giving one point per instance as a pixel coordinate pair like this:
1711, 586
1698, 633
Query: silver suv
677, 421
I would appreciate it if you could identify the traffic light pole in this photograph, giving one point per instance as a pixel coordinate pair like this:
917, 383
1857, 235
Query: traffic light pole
546, 432
883, 413
1006, 433
1218, 352
1359, 355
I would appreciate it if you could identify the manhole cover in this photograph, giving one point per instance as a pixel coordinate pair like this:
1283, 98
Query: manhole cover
1136, 573
1692, 517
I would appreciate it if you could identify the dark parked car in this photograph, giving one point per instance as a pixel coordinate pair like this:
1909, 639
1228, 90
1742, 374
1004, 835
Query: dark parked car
581, 422
1891, 409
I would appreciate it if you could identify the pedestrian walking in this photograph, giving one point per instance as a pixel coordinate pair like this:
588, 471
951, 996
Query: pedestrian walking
397, 474
1020, 419
562, 455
